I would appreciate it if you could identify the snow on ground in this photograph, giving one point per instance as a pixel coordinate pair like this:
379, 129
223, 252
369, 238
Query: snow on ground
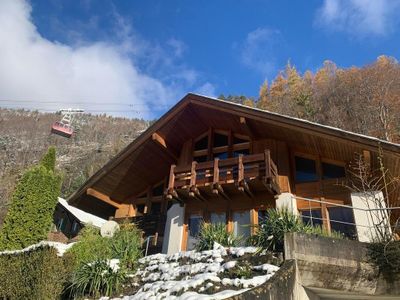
60, 247
196, 275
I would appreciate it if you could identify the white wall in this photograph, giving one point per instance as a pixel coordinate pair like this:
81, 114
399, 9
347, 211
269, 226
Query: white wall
288, 201
173, 229
372, 219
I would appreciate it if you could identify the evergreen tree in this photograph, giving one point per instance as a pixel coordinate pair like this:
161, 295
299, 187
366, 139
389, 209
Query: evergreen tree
30, 215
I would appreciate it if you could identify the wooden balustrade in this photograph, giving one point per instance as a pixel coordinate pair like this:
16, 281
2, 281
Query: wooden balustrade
238, 170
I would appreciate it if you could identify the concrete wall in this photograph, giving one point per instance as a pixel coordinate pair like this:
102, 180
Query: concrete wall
173, 229
288, 201
369, 223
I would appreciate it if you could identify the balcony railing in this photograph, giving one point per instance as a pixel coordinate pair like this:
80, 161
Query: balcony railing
240, 171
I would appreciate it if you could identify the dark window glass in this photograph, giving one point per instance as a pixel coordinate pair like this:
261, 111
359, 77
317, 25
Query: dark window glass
220, 140
237, 140
316, 217
345, 215
202, 158
305, 169
201, 144
140, 208
222, 155
158, 190
194, 225
330, 171
155, 207
238, 152
262, 216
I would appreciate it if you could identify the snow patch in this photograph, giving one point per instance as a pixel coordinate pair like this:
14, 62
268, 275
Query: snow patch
60, 247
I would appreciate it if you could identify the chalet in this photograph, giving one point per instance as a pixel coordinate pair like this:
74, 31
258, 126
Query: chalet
215, 161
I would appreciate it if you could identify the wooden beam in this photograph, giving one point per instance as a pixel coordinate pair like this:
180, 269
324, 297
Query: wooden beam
325, 216
103, 197
250, 131
160, 141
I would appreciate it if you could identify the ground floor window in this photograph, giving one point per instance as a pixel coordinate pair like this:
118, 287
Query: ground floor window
194, 224
218, 217
241, 223
312, 217
342, 220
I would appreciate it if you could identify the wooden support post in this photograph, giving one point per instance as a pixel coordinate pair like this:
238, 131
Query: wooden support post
267, 155
240, 169
325, 216
193, 174
215, 176
171, 182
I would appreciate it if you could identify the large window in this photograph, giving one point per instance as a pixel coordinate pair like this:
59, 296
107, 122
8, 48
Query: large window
194, 224
222, 145
312, 217
306, 169
241, 224
342, 220
330, 171
219, 217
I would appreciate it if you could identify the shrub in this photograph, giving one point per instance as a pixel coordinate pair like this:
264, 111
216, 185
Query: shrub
91, 246
92, 274
30, 216
210, 233
98, 278
126, 245
270, 233
37, 274
386, 256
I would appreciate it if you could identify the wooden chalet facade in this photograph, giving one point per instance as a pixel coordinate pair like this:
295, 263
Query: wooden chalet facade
224, 162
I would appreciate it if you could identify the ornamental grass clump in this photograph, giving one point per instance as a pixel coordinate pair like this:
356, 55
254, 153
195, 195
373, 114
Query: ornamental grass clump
270, 233
98, 278
95, 270
210, 233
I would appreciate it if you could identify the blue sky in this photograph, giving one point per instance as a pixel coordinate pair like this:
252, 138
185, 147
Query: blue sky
157, 51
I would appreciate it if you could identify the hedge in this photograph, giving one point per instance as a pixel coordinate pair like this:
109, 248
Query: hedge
36, 274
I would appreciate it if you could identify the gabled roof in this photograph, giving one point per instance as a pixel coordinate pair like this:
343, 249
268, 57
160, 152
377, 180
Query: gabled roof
82, 216
195, 113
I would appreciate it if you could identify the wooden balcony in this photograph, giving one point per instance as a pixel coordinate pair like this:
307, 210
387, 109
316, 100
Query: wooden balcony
250, 174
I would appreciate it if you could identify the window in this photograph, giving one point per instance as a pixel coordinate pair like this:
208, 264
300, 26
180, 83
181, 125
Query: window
220, 140
194, 229
330, 171
75, 227
344, 215
306, 169
201, 144
236, 153
218, 218
241, 223
312, 217
239, 140
61, 224
262, 216
222, 155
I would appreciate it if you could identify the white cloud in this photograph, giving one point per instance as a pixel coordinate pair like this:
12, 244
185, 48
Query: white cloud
359, 17
206, 89
259, 50
32, 68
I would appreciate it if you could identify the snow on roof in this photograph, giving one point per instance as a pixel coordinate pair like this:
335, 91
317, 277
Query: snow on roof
81, 215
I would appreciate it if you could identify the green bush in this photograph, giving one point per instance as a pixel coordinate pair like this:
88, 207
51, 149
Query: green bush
210, 233
30, 215
91, 254
270, 233
96, 279
386, 256
91, 247
126, 245
37, 274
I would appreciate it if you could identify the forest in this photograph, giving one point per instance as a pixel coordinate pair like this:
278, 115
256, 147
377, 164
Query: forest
364, 99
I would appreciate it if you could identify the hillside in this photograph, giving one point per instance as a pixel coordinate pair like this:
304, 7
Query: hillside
25, 136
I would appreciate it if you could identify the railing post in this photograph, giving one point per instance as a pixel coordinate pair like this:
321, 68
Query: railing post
240, 169
193, 174
267, 164
325, 216
216, 172
171, 181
